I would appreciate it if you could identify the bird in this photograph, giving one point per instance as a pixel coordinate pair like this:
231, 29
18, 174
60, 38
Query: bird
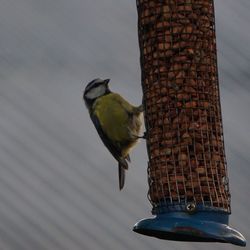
117, 122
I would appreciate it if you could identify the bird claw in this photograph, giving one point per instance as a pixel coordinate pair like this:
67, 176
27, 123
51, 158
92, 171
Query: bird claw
143, 137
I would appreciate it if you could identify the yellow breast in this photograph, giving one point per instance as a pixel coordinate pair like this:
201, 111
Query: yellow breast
113, 117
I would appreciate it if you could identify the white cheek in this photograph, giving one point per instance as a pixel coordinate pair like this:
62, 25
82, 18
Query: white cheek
96, 92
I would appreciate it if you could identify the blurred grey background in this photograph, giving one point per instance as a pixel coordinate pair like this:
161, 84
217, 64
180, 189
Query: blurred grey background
58, 184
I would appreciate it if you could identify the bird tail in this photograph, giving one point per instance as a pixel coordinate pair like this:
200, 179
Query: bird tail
122, 167
121, 174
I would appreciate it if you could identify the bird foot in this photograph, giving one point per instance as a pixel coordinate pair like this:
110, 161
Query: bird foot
143, 137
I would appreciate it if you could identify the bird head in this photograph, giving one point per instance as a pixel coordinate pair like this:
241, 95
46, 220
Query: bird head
95, 89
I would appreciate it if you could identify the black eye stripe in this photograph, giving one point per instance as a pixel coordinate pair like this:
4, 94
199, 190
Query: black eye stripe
93, 84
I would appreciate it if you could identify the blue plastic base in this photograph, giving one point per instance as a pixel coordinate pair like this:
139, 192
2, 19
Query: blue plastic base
199, 227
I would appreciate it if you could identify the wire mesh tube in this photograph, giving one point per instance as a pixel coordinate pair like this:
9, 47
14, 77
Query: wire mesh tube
187, 165
183, 115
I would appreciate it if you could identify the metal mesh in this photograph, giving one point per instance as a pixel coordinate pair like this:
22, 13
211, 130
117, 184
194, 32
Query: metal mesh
181, 98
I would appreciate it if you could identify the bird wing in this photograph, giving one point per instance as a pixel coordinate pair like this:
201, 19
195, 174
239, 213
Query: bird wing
113, 148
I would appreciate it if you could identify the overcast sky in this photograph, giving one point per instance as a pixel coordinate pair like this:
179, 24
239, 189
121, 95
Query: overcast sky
58, 184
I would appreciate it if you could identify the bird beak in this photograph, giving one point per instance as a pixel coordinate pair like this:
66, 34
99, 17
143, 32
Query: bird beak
106, 81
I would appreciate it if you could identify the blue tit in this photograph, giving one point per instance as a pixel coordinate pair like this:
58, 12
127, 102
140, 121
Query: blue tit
117, 122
